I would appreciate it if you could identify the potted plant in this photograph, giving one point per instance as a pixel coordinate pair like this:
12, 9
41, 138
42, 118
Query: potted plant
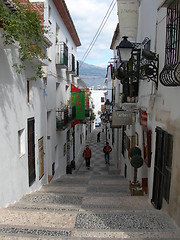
136, 162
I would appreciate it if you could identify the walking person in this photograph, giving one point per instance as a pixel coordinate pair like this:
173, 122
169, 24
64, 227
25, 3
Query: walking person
107, 149
87, 155
98, 136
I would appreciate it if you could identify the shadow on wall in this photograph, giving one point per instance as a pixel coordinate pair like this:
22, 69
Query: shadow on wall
11, 87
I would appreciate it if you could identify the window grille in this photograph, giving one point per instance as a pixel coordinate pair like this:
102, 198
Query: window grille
170, 75
172, 33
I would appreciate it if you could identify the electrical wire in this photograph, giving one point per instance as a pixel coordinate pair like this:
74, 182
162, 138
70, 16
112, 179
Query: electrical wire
111, 7
98, 31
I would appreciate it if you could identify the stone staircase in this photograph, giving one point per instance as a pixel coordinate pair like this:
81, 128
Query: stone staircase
88, 204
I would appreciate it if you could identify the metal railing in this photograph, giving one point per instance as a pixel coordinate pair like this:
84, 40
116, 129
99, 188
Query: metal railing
65, 116
62, 54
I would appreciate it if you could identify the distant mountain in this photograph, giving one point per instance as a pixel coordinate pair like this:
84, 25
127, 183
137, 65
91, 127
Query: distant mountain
92, 75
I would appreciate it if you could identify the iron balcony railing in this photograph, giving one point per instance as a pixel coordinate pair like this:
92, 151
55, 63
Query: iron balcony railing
65, 116
62, 54
170, 74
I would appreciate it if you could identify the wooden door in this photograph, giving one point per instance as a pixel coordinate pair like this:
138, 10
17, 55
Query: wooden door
41, 158
162, 168
31, 151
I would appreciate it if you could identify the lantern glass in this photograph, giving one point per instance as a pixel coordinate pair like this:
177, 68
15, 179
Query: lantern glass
125, 54
124, 49
107, 105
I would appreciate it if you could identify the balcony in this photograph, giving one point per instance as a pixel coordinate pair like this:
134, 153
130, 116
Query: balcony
71, 63
64, 117
62, 55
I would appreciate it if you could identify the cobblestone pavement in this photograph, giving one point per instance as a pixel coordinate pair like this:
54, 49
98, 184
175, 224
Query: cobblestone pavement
89, 204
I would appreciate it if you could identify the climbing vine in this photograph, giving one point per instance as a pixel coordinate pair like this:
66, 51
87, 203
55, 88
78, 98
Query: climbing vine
23, 25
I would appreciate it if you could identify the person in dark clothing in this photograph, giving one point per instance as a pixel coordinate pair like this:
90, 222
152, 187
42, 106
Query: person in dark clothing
87, 155
107, 149
98, 136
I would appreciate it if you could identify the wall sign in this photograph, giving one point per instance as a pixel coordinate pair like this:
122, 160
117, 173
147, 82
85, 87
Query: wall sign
143, 118
120, 118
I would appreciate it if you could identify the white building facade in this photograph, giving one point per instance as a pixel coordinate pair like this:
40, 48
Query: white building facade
151, 101
39, 138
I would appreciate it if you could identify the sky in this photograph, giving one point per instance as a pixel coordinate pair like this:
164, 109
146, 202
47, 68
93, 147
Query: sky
87, 16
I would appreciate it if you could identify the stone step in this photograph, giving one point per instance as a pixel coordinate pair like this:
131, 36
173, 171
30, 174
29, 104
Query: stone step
14, 233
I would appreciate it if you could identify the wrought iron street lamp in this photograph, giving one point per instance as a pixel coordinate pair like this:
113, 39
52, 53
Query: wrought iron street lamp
136, 63
108, 105
124, 49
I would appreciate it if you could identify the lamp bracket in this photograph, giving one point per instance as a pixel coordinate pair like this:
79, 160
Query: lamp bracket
149, 67
143, 64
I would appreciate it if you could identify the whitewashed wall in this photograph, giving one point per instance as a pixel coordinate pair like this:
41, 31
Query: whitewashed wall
58, 94
14, 112
96, 97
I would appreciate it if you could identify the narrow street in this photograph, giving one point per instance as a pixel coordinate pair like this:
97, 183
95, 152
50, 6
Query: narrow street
89, 204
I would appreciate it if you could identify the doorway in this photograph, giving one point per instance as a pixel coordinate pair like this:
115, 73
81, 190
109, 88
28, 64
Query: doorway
31, 151
41, 158
162, 168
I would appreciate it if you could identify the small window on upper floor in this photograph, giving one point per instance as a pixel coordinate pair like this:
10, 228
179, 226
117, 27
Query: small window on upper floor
102, 99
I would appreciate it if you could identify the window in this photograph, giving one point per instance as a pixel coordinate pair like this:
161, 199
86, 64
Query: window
102, 99
102, 108
170, 76
172, 33
21, 142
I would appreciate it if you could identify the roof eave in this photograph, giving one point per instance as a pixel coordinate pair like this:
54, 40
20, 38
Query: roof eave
66, 17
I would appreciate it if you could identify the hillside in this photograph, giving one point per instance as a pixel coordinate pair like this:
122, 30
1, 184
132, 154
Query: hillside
92, 75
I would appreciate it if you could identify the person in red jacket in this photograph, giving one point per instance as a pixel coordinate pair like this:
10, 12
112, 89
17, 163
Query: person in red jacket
87, 155
107, 149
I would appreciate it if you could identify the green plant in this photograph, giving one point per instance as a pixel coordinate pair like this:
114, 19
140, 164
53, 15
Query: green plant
25, 27
123, 97
119, 74
134, 151
136, 161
